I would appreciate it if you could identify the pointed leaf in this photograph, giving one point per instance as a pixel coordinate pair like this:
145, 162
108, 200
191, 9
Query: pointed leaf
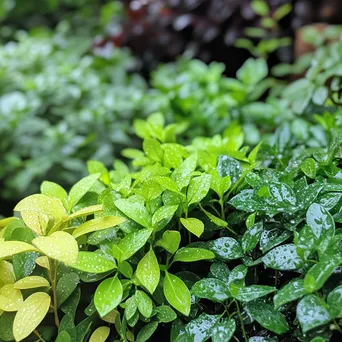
198, 188
213, 289
223, 331
135, 211
66, 285
92, 262
335, 302
246, 294
187, 254
144, 303
226, 248
146, 332
170, 241
290, 292
283, 258
193, 225
100, 334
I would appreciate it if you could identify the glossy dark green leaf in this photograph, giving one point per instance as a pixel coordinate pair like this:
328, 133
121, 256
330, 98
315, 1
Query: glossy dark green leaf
223, 331
212, 289
334, 301
226, 248
165, 314
146, 332
228, 166
66, 286
283, 258
251, 237
249, 293
290, 292
220, 271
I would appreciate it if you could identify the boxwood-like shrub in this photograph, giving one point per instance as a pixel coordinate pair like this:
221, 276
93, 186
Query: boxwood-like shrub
207, 240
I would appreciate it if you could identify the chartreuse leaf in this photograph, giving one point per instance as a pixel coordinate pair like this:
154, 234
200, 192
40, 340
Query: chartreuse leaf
144, 303
146, 332
193, 225
165, 212
226, 248
249, 293
212, 289
309, 167
10, 248
93, 263
100, 334
131, 243
165, 314
177, 294
283, 258
312, 312
266, 316
86, 211
97, 224
81, 188
188, 254
30, 314
54, 190
126, 269
182, 173
31, 282
135, 211
335, 302
60, 246
43, 261
7, 275
198, 188
170, 241
290, 292
10, 298
108, 295
131, 307
35, 220
223, 331
320, 272
148, 271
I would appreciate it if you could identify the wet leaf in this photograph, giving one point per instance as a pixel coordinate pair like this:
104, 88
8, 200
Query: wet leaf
146, 332
92, 262
100, 334
290, 292
187, 254
66, 286
170, 241
226, 248
212, 289
144, 303
31, 282
193, 225
223, 331
283, 258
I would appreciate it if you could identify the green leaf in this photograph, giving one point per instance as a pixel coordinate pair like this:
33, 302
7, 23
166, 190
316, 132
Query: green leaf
266, 316
251, 237
86, 211
108, 295
97, 224
135, 211
309, 167
213, 289
281, 195
188, 254
81, 188
319, 273
260, 7
54, 190
92, 262
164, 213
60, 246
100, 334
219, 184
198, 188
126, 269
165, 314
144, 303
193, 225
182, 174
170, 241
132, 242
148, 271
30, 315
11, 299
321, 223
31, 282
63, 336
252, 72
6, 324
226, 248
146, 332
216, 220
153, 150
334, 301
177, 294
229, 167
290, 292
312, 312
220, 271
10, 248
283, 258
131, 307
66, 286
223, 331
246, 294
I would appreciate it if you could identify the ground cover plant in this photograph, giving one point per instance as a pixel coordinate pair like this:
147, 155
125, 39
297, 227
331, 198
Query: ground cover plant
208, 240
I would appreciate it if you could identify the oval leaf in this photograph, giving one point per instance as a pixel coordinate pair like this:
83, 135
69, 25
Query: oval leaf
212, 289
193, 225
31, 282
187, 254
100, 334
92, 262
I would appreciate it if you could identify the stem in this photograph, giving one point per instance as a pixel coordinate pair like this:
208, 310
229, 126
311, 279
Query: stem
38, 335
241, 321
53, 279
337, 326
222, 209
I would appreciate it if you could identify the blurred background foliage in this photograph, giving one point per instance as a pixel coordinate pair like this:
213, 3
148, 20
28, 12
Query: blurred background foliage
75, 74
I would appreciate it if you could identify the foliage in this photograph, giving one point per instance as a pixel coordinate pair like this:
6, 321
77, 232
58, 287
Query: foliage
218, 238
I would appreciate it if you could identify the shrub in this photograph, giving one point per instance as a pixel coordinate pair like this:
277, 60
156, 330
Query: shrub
220, 239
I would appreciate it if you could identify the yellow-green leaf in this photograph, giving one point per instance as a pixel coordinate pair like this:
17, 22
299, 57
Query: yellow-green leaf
31, 282
7, 275
92, 262
97, 224
10, 248
60, 246
86, 211
193, 225
4, 222
30, 315
100, 334
10, 298
35, 220
43, 261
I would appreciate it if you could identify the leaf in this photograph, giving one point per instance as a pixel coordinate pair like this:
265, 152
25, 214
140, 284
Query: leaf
63, 336
97, 224
135, 211
213, 289
36, 221
321, 223
216, 220
198, 188
223, 331
31, 282
319, 273
227, 166
54, 190
144, 303
260, 7
177, 294
86, 211
246, 294
312, 312
146, 332
60, 246
43, 261
10, 248
93, 263
165, 314
164, 213
252, 71
220, 270
30, 315
290, 292
148, 271
188, 254
226, 248
100, 334
219, 184
247, 201
170, 241
66, 286
309, 167
334, 301
132, 242
193, 225
11, 299
7, 275
283, 258
281, 195
108, 295
182, 174
81, 188
251, 237
6, 324
266, 316
131, 307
